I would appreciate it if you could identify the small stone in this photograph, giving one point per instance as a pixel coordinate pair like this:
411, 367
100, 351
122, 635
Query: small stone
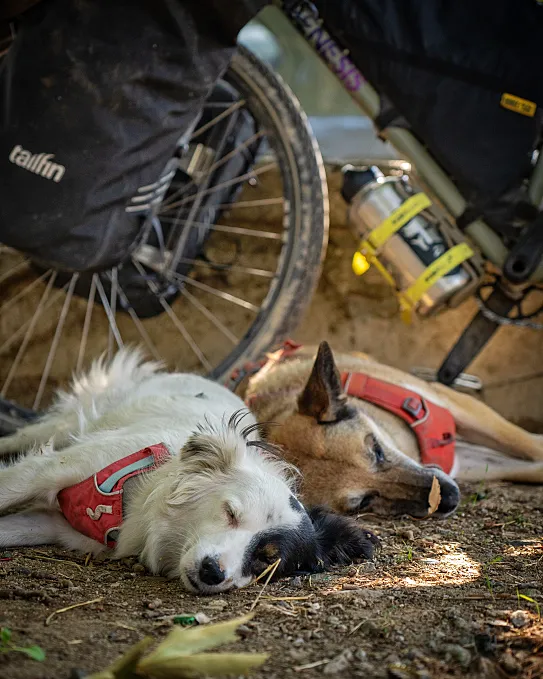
203, 619
298, 654
151, 614
520, 618
138, 568
340, 663
100, 557
128, 561
457, 654
296, 582
218, 604
407, 535
320, 577
368, 567
334, 620
461, 624
155, 603
300, 641
360, 654
401, 671
510, 664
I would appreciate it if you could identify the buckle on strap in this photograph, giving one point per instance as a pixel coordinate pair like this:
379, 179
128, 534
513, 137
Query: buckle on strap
414, 406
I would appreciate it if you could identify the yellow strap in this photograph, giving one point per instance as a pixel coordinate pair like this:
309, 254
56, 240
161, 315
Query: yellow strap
441, 267
401, 215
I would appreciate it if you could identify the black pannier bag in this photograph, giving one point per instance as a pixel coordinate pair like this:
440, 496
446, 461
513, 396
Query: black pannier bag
95, 98
455, 73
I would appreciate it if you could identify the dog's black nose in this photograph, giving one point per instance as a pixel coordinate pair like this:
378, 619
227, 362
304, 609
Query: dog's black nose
210, 572
450, 497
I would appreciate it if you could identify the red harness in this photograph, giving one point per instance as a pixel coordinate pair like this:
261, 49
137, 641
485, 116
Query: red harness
433, 425
94, 506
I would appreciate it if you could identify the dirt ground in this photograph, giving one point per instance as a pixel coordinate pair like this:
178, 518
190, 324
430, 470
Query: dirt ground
440, 600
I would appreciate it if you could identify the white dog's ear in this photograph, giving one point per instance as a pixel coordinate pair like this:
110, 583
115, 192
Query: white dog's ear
212, 450
323, 397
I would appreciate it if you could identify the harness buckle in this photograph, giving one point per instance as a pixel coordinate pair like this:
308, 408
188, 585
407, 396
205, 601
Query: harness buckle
413, 406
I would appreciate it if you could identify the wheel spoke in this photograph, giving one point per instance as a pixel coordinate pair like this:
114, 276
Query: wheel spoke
223, 228
217, 119
28, 335
56, 340
185, 187
161, 261
109, 313
260, 202
209, 315
22, 293
139, 325
10, 340
175, 320
263, 273
86, 323
221, 185
113, 277
218, 293
13, 270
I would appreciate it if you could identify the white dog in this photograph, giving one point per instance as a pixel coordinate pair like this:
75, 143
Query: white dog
157, 465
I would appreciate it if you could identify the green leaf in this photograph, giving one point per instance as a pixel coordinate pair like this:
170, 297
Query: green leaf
527, 598
5, 634
34, 652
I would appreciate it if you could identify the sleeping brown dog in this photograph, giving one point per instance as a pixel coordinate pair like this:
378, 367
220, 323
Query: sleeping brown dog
356, 456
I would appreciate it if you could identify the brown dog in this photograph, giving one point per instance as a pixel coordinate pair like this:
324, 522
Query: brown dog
356, 456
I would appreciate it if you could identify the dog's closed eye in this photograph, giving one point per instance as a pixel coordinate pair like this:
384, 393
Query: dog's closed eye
231, 515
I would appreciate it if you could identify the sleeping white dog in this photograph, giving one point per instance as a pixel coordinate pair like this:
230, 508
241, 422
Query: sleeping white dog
158, 465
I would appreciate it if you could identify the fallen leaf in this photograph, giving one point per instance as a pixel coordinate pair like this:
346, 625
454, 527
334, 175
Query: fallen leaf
435, 496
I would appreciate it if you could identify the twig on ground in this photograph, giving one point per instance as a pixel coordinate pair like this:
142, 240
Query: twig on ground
271, 569
69, 608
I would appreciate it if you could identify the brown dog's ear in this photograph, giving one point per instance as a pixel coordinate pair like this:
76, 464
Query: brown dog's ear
323, 397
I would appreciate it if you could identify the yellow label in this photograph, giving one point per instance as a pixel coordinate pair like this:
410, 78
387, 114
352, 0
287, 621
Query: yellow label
360, 264
399, 218
441, 267
518, 105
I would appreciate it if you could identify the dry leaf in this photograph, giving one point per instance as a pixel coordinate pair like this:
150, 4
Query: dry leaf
125, 666
197, 639
179, 656
177, 665
435, 496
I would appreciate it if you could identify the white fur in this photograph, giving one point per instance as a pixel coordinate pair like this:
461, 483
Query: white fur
176, 514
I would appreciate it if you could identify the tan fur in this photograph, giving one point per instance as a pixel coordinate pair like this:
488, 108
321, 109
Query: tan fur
334, 461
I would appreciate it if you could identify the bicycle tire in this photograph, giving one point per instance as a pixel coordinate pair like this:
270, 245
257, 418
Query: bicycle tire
305, 222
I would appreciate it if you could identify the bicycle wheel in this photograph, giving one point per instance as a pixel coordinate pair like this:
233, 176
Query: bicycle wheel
229, 263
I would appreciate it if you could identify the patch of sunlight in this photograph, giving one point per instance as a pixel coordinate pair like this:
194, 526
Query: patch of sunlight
451, 568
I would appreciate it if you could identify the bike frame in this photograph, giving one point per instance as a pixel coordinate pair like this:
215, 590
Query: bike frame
305, 18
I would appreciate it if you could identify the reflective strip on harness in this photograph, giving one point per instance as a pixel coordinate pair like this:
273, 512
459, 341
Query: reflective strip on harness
94, 507
433, 425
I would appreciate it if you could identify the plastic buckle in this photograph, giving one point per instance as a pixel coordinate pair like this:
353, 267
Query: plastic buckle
413, 406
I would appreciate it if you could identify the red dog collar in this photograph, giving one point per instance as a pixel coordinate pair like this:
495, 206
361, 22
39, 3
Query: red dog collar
94, 506
433, 425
